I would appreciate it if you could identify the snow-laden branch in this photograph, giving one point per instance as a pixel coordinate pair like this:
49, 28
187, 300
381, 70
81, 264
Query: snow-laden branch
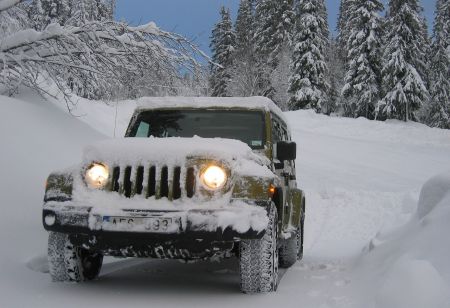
96, 57
7, 4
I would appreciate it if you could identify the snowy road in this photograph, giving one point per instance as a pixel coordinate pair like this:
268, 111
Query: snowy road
361, 178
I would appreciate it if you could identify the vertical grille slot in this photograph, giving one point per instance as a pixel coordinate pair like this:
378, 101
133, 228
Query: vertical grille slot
164, 188
139, 180
115, 179
190, 182
127, 182
176, 194
151, 182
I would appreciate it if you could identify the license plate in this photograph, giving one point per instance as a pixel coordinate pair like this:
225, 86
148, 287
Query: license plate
141, 224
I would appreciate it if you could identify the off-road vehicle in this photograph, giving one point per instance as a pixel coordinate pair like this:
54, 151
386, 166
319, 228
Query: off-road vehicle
193, 179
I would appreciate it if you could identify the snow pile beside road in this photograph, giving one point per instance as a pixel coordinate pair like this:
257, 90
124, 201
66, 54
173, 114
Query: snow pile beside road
35, 139
410, 267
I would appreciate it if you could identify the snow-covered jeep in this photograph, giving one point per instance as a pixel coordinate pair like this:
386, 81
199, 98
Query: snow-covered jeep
193, 179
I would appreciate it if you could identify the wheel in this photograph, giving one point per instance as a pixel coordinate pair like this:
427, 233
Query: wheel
301, 237
70, 263
289, 250
259, 259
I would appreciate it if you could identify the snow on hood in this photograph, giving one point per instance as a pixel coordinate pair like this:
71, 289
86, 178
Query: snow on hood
175, 151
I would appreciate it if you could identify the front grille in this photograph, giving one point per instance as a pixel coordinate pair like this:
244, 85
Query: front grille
152, 181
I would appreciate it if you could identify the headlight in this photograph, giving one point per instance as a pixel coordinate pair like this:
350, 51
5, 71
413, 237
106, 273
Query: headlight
214, 177
97, 175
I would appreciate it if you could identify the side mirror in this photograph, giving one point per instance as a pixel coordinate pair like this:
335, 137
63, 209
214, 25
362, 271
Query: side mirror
286, 151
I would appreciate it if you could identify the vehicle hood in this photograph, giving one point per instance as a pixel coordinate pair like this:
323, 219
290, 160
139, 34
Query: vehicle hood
176, 151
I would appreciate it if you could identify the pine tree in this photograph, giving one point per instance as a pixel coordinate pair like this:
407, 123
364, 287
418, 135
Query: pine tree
223, 42
83, 11
337, 58
308, 84
404, 68
363, 77
244, 26
106, 9
343, 27
336, 67
275, 19
45, 12
37, 15
13, 20
439, 113
244, 72
273, 25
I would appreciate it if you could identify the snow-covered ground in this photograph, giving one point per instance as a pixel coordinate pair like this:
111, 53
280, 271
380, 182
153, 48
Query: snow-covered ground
365, 244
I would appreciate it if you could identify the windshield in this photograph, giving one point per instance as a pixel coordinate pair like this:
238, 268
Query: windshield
247, 126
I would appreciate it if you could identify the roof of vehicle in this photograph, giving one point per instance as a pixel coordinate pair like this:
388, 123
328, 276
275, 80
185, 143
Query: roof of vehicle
256, 102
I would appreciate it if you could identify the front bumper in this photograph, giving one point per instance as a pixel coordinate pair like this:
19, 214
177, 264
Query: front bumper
224, 224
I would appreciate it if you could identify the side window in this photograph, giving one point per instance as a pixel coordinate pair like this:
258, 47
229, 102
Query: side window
285, 134
277, 132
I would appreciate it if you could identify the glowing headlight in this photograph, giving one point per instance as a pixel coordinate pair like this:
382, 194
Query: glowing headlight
214, 177
97, 176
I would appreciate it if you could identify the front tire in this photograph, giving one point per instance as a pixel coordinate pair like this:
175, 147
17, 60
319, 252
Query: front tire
70, 263
259, 259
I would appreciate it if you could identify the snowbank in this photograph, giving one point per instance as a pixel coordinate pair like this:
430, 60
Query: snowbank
35, 139
410, 268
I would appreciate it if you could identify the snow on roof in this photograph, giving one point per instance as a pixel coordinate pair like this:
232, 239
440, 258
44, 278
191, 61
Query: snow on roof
256, 102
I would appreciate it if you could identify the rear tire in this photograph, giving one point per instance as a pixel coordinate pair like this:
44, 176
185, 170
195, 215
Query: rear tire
259, 259
300, 237
70, 263
289, 250
302, 232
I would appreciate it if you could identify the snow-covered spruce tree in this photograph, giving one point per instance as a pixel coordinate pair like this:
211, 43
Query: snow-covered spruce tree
337, 58
110, 52
106, 9
344, 27
329, 105
404, 69
244, 71
308, 85
244, 27
439, 112
223, 40
274, 23
336, 68
363, 77
13, 20
45, 12
83, 11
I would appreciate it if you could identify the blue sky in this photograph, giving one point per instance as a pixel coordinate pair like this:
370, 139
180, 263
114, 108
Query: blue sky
195, 18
